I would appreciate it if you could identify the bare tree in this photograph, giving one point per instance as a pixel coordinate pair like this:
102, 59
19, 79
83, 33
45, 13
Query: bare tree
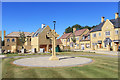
22, 38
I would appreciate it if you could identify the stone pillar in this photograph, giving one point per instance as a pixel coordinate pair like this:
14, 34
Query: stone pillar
48, 48
84, 46
115, 47
96, 47
108, 47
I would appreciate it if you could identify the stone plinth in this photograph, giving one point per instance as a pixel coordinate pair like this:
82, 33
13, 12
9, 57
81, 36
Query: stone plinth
108, 47
53, 58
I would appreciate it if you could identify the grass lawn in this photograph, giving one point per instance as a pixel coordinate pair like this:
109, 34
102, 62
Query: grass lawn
58, 53
102, 67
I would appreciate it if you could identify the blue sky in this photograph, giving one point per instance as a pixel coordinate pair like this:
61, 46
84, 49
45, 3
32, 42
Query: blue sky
28, 16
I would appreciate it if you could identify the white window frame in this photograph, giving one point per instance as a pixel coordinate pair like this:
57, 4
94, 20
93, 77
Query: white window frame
107, 33
116, 31
77, 38
83, 37
99, 33
94, 35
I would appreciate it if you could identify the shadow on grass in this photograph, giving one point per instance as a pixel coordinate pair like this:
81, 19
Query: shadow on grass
66, 58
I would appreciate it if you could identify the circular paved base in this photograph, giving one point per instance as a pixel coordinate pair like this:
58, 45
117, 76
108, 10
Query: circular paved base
45, 62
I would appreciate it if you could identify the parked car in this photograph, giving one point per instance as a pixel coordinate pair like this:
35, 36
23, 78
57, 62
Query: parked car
119, 48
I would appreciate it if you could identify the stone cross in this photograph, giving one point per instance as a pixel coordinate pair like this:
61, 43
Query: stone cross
53, 35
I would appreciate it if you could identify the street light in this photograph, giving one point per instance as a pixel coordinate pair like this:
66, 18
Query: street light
54, 24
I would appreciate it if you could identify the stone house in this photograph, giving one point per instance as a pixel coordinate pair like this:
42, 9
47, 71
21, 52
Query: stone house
0, 38
85, 41
13, 44
106, 35
41, 41
66, 38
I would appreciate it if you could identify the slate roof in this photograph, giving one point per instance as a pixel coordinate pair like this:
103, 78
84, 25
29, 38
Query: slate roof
115, 22
98, 27
17, 34
64, 36
86, 36
31, 34
38, 32
79, 32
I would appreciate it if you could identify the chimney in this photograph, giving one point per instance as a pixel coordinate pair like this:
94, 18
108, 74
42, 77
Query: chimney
64, 33
116, 15
74, 29
4, 34
102, 19
43, 25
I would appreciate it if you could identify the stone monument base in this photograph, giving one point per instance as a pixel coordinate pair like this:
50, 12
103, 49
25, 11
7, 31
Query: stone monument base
53, 58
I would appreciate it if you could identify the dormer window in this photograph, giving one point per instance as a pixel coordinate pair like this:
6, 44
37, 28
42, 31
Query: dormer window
68, 40
77, 38
83, 37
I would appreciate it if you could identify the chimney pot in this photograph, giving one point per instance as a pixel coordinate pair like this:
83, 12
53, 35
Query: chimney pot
116, 15
102, 19
74, 29
43, 25
4, 34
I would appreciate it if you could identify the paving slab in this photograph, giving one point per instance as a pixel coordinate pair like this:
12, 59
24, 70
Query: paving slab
45, 62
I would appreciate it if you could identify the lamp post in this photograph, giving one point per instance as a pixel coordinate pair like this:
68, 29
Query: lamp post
54, 24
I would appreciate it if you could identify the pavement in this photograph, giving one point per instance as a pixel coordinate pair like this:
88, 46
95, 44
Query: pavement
1, 56
45, 62
101, 52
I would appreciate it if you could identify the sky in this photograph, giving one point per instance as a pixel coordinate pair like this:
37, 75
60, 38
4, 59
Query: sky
28, 16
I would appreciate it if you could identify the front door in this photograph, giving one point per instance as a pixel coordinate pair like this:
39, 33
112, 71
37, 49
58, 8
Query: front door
100, 46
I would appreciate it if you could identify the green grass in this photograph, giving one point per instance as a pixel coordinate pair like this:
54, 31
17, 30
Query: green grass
58, 53
102, 67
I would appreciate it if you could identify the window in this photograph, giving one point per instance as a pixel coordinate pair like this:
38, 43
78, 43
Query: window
13, 40
71, 45
87, 45
116, 31
78, 45
107, 33
64, 40
30, 39
94, 35
105, 45
8, 40
83, 37
77, 38
68, 40
99, 34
